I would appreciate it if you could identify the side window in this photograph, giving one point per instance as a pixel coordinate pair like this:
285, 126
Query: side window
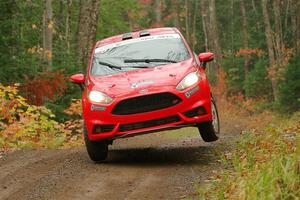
197, 59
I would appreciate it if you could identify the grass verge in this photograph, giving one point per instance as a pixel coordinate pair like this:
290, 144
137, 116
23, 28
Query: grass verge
265, 165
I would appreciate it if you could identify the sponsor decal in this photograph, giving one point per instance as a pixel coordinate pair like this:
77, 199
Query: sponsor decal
95, 107
189, 93
105, 48
139, 84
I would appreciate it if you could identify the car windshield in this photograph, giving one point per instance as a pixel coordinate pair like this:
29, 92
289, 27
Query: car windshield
143, 52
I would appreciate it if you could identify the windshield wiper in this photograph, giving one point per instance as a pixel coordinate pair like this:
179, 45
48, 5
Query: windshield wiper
110, 65
117, 67
149, 60
137, 67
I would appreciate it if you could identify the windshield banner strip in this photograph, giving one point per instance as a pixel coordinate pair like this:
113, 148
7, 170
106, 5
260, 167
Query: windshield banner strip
126, 42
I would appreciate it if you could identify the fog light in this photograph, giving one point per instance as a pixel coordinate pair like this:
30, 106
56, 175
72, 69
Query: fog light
201, 111
103, 128
97, 129
195, 112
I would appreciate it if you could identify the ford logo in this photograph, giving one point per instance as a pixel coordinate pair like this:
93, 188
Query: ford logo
143, 91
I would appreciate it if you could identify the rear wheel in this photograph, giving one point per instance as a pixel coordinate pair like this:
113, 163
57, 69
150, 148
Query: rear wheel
97, 150
209, 131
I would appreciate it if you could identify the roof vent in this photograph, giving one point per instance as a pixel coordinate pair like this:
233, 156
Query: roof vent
127, 36
144, 33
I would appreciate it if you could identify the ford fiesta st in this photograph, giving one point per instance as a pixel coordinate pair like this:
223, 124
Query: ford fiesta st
143, 82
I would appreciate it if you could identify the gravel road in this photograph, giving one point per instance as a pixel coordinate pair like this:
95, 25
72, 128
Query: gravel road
154, 166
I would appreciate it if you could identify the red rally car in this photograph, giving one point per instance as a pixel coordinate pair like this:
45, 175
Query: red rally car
143, 82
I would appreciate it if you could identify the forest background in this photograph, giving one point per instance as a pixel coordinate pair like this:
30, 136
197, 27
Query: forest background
255, 77
256, 44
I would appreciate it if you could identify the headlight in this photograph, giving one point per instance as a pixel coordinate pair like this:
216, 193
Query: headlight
188, 81
99, 97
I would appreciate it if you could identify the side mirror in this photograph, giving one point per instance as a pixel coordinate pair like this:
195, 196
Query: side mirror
205, 57
78, 79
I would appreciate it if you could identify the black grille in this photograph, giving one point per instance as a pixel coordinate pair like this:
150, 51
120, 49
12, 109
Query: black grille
195, 112
149, 123
145, 103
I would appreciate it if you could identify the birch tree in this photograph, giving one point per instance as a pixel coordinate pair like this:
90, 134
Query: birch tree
273, 62
48, 32
245, 36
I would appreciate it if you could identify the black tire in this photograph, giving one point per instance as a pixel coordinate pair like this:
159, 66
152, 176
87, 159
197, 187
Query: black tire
209, 131
97, 150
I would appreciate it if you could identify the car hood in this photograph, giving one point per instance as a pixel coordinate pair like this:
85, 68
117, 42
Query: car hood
125, 82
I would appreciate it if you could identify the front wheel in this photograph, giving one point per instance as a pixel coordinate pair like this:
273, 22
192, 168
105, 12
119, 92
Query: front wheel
97, 150
209, 131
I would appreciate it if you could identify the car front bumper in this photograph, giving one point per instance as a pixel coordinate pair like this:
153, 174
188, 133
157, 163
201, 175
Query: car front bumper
195, 107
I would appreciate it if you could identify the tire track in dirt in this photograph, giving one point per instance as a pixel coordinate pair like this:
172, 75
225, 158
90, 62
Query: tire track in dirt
147, 167
23, 174
19, 160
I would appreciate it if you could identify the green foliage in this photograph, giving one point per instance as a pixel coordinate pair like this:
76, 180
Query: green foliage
234, 74
257, 83
289, 88
64, 49
20, 34
63, 102
21, 31
117, 17
265, 165
21, 40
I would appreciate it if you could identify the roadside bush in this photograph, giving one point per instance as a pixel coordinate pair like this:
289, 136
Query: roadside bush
234, 75
50, 85
75, 124
257, 83
289, 87
24, 125
62, 102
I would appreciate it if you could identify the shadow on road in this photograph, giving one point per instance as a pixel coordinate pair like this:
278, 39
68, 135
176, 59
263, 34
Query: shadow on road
162, 156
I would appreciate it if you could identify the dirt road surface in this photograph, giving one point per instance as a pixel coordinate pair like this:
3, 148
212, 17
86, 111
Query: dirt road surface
156, 166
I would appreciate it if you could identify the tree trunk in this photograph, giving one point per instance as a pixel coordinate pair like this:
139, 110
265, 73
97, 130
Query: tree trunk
60, 15
176, 8
13, 14
295, 24
204, 23
278, 39
254, 7
297, 39
158, 10
214, 34
48, 33
245, 37
257, 16
187, 24
86, 30
214, 28
194, 39
272, 61
287, 10
68, 24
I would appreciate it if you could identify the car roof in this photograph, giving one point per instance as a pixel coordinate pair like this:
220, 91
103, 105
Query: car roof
136, 34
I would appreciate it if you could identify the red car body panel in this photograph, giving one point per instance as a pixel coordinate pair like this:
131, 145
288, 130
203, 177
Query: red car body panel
165, 79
